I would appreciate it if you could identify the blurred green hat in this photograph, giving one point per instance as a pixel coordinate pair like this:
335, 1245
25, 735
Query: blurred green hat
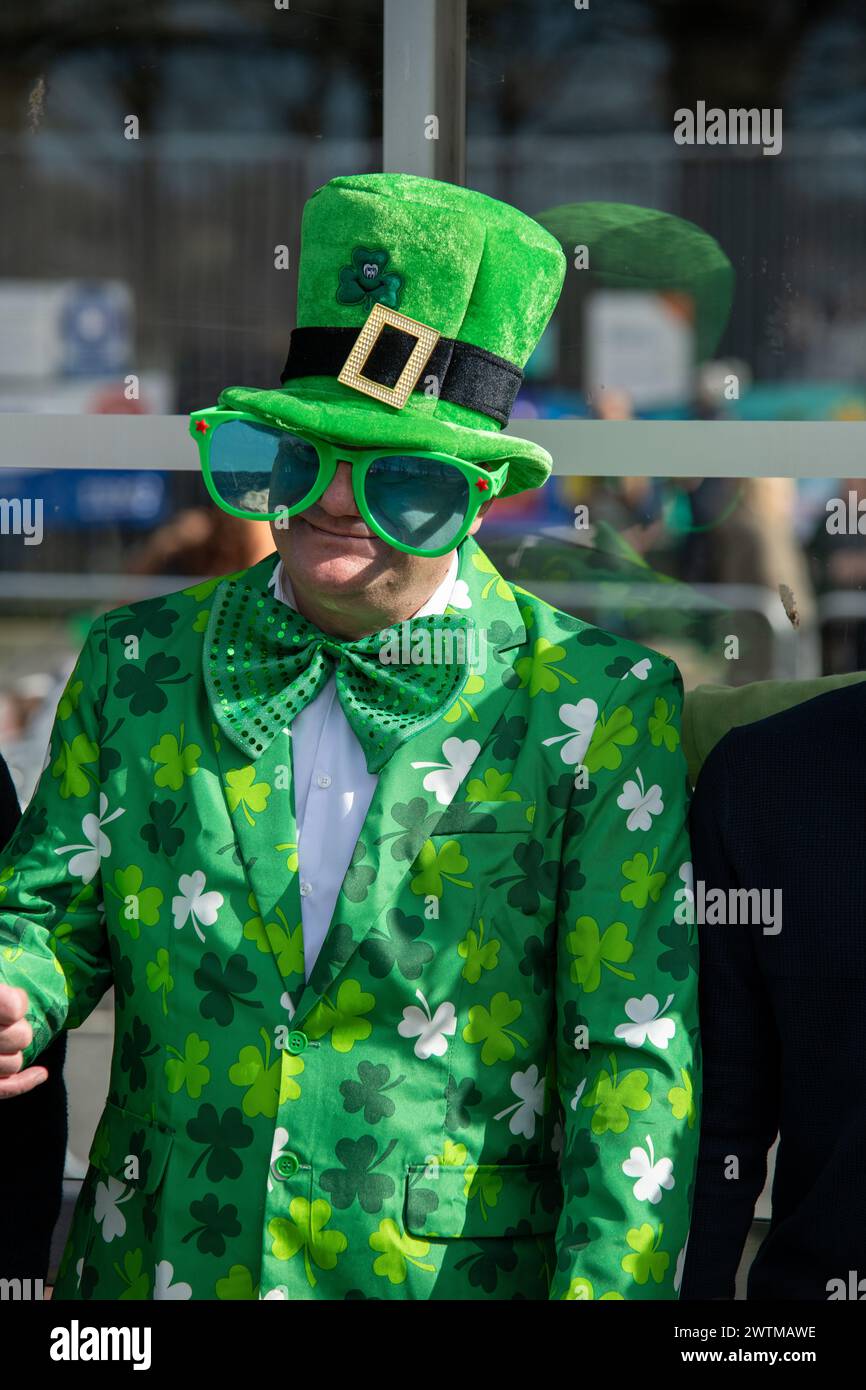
638, 248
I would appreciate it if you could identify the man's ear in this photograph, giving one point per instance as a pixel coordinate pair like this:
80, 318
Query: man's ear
479, 517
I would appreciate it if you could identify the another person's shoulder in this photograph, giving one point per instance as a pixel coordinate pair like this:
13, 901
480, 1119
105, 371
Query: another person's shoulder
822, 730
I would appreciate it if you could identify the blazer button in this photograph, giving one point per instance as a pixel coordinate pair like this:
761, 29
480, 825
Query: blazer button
297, 1041
287, 1165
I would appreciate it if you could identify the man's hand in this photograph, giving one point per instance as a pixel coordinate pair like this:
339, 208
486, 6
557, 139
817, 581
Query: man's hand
15, 1034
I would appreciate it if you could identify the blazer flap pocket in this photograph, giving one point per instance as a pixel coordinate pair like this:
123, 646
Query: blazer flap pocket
492, 817
130, 1148
481, 1199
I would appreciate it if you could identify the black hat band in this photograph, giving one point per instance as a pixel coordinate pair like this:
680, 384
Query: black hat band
466, 375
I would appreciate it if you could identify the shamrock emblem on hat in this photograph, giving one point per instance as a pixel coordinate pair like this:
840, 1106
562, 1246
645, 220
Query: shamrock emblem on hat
365, 280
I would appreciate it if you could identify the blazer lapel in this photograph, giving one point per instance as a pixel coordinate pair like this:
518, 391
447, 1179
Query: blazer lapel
260, 802
419, 789
259, 797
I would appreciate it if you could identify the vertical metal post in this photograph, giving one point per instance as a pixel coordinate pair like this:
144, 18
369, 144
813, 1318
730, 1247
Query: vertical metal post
424, 89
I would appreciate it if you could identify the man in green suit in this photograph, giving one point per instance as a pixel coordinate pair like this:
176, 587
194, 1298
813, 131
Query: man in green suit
385, 858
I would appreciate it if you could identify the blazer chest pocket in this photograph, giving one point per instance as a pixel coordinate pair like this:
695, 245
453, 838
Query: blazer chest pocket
481, 843
444, 1201
485, 817
133, 1150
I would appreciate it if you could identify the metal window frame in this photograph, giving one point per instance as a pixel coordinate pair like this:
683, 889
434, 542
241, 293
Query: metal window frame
424, 75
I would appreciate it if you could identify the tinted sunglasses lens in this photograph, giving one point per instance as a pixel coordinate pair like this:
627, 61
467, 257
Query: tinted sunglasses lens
295, 470
258, 469
416, 501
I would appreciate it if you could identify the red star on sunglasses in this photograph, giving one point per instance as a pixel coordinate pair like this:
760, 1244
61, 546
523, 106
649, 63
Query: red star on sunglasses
482, 486
202, 426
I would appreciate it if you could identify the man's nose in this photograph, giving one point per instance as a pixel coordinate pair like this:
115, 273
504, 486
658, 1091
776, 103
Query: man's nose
338, 498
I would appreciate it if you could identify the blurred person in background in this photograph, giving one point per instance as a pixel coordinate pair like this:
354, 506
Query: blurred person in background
203, 542
32, 704
33, 1133
838, 558
740, 531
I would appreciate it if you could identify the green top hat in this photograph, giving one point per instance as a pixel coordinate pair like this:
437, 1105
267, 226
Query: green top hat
419, 303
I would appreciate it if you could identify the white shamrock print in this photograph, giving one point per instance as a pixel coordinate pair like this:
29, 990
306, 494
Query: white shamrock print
276, 1294
192, 902
460, 754
163, 1288
529, 1086
681, 1261
647, 1022
641, 804
85, 865
575, 1099
580, 720
287, 1003
430, 1031
460, 595
651, 1175
641, 669
106, 1207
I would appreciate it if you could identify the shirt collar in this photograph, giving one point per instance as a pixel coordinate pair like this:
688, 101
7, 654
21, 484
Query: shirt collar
436, 603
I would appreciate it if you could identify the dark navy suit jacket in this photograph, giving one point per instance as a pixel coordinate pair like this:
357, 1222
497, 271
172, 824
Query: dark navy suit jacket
782, 804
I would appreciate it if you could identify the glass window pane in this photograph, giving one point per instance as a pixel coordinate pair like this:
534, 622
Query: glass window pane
744, 123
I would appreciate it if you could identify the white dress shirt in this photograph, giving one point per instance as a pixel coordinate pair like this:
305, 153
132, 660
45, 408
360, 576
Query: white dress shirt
333, 788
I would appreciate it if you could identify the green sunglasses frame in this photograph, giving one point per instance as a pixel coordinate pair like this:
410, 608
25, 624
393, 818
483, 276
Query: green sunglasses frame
492, 480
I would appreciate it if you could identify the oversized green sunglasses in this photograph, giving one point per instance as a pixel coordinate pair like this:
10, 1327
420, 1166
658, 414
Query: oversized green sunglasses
419, 502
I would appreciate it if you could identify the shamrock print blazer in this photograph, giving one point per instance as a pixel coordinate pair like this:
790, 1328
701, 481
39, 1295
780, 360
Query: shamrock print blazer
488, 1086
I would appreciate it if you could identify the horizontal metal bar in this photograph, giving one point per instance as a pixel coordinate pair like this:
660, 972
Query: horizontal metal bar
41, 586
845, 603
701, 448
696, 598
590, 448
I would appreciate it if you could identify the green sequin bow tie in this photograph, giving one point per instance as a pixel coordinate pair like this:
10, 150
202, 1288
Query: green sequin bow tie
263, 662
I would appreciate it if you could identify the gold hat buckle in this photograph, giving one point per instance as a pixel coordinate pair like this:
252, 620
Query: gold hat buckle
397, 395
